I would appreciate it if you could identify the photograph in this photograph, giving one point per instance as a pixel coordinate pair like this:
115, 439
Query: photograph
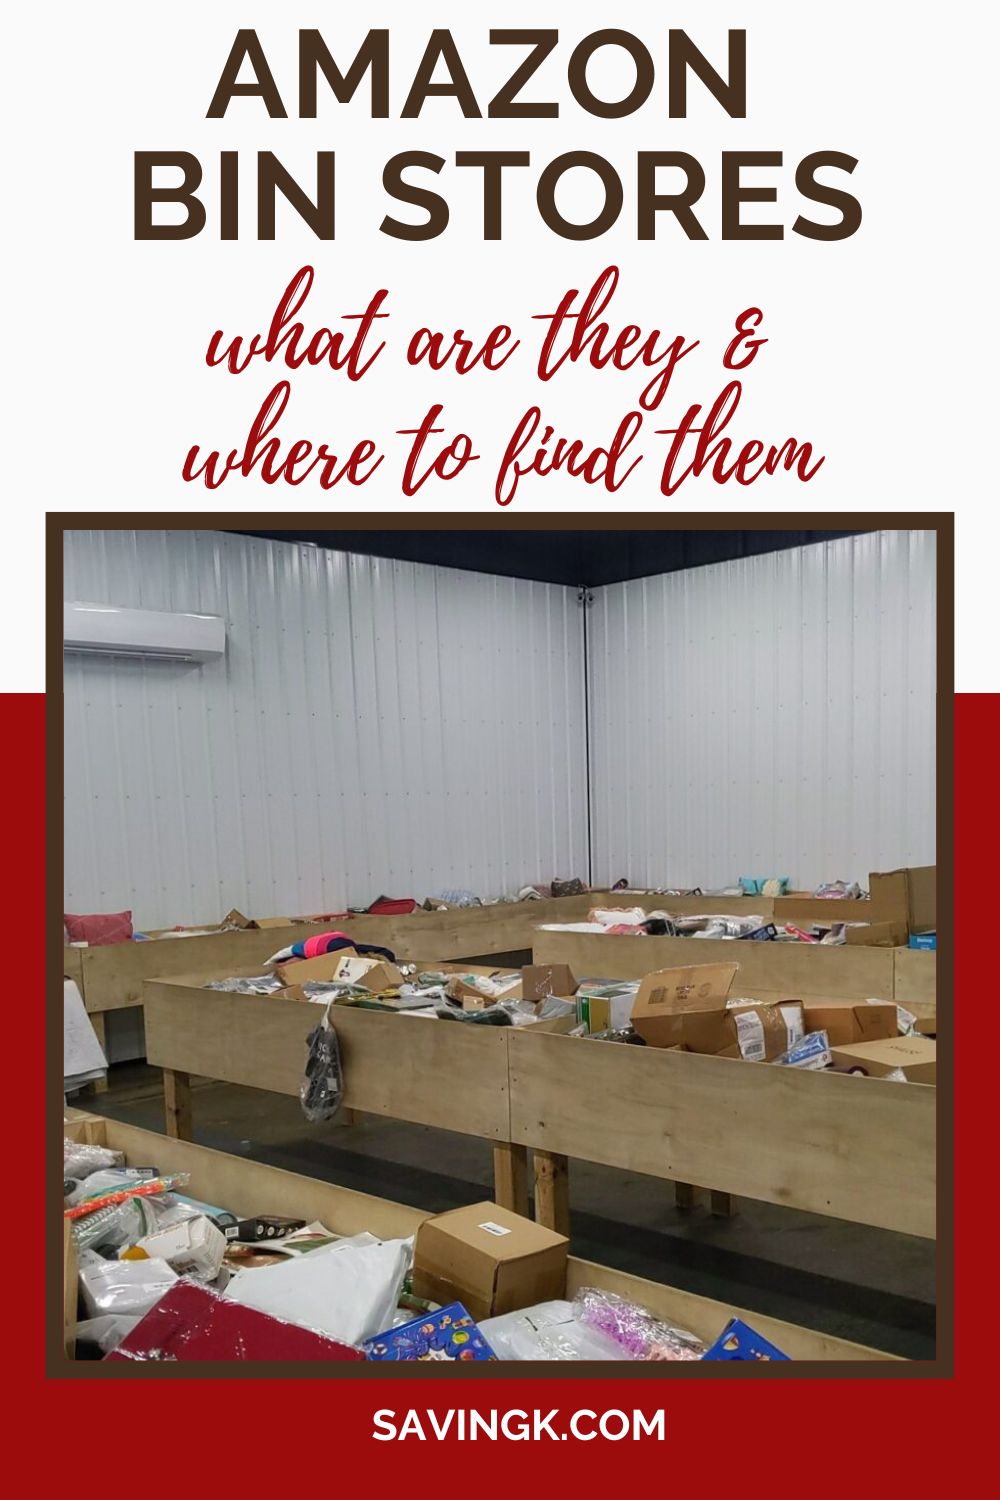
641, 824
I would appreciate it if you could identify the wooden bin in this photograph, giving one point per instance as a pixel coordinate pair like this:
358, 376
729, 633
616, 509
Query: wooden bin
437, 1073
861, 1149
766, 969
249, 1187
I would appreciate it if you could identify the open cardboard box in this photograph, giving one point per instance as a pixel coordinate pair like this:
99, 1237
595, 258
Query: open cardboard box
913, 1056
690, 1008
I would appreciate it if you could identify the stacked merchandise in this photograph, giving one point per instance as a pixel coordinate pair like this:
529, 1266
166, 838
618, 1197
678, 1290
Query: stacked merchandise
331, 969
636, 921
693, 1009
163, 1276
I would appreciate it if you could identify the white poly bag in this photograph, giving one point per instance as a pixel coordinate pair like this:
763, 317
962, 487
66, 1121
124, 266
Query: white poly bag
347, 1291
122, 1286
546, 1331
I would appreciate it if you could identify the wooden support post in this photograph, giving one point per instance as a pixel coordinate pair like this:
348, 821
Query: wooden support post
510, 1177
721, 1204
100, 1085
177, 1104
684, 1195
552, 1191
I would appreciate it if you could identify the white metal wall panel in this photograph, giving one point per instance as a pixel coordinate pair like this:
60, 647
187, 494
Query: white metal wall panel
771, 716
375, 726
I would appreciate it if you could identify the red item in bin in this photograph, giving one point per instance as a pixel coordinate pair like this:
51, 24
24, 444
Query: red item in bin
387, 906
190, 1323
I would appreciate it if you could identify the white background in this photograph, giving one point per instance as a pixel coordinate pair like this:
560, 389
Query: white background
880, 347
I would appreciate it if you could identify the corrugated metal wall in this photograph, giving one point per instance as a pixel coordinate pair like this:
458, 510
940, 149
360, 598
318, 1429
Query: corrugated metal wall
375, 727
773, 716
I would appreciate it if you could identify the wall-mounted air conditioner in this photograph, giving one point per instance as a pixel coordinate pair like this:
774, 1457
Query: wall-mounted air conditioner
107, 630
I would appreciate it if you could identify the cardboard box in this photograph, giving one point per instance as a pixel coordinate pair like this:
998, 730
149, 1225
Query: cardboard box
264, 922
236, 918
924, 941
472, 998
908, 896
689, 1007
763, 1030
848, 1021
324, 967
695, 987
374, 974
914, 1056
877, 934
540, 980
489, 1259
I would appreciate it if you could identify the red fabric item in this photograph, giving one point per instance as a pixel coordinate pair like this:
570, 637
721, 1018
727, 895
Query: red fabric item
190, 1323
113, 927
392, 908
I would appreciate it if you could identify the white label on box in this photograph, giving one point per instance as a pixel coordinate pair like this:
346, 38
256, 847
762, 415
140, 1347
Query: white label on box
750, 1035
794, 1024
492, 1228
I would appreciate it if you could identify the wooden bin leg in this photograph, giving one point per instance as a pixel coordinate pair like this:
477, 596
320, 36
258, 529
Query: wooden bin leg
721, 1204
177, 1104
100, 1085
552, 1191
684, 1195
510, 1177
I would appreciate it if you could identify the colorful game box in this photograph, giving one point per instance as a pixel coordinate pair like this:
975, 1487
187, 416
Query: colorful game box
449, 1333
739, 1341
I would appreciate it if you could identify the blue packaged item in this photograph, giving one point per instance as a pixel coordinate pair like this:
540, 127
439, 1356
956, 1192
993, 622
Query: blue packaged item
449, 1333
925, 940
810, 1051
765, 934
739, 1341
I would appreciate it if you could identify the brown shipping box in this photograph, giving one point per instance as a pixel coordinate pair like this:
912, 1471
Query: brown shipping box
762, 1030
541, 980
325, 967
489, 1259
915, 1056
847, 1021
908, 896
689, 1007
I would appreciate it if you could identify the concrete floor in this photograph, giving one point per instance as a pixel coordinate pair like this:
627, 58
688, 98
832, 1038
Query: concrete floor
857, 1283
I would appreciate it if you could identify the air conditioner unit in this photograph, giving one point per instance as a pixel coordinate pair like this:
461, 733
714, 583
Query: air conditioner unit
107, 630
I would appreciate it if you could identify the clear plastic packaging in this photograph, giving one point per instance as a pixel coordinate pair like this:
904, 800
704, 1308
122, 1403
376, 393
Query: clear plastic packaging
262, 984
321, 1092
122, 1286
106, 1331
633, 1328
79, 1160
547, 1331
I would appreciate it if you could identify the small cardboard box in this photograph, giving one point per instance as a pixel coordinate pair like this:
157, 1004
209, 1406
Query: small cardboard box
762, 1030
848, 1021
472, 998
540, 980
236, 918
489, 1259
673, 992
264, 922
374, 974
914, 1056
324, 967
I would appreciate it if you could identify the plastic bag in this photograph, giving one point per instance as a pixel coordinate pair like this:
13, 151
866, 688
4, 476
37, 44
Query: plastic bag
122, 1286
106, 1331
547, 1331
322, 1089
79, 1160
633, 1328
348, 1291
263, 984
